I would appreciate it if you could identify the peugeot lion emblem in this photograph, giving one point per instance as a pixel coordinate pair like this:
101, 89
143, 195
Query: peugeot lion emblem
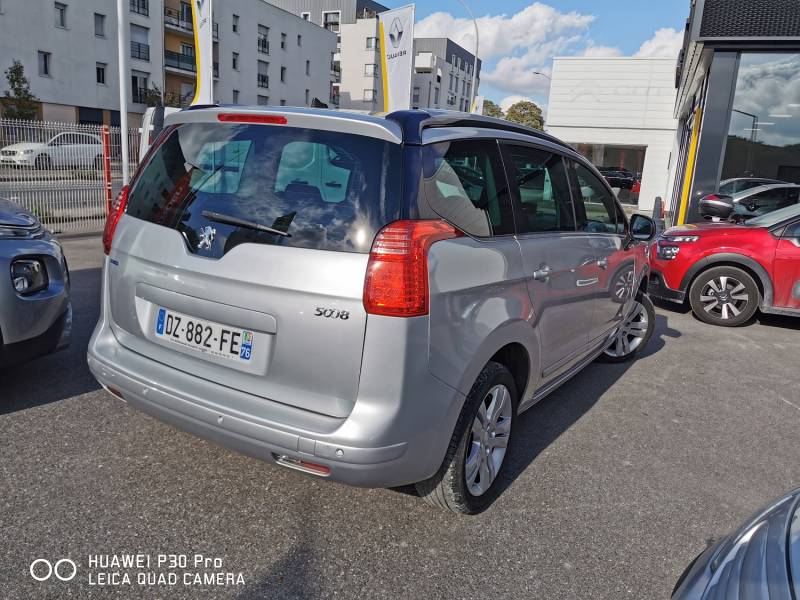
206, 237
396, 32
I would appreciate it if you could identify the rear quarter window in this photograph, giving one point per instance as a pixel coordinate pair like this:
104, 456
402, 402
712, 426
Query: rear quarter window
326, 190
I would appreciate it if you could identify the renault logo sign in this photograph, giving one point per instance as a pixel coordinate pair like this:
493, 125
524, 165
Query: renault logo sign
396, 32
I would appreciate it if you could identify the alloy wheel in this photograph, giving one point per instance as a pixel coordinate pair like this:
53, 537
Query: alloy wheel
631, 333
724, 297
488, 441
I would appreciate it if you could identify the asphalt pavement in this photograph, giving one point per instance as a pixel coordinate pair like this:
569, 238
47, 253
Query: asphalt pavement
618, 480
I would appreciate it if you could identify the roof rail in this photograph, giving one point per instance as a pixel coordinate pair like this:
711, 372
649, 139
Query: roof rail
413, 122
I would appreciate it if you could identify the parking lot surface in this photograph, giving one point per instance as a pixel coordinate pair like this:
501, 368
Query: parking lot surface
618, 480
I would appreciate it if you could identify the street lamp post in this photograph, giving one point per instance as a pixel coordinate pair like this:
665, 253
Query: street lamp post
474, 66
124, 78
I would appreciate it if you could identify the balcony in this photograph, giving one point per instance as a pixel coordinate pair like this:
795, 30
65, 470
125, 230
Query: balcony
180, 61
140, 51
180, 21
263, 44
263, 80
141, 7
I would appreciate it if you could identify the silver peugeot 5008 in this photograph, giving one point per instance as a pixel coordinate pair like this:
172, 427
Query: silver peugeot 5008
367, 299
35, 308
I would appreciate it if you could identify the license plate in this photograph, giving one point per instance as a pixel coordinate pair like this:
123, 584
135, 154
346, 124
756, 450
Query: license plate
211, 338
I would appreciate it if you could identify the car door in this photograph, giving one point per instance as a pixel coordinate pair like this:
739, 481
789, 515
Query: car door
786, 268
600, 217
559, 262
55, 149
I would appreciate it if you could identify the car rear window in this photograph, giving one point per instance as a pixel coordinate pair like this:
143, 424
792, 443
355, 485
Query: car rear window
326, 190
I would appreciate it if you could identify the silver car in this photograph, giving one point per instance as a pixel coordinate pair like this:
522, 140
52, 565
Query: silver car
35, 308
372, 300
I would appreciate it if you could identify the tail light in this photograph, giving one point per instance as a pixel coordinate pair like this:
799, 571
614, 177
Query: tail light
396, 284
114, 214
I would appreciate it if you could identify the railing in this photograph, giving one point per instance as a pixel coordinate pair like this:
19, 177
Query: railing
178, 20
263, 81
140, 51
216, 69
263, 44
178, 60
141, 7
177, 100
62, 180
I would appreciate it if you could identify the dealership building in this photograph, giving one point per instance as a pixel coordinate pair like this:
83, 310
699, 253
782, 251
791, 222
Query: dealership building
618, 112
738, 98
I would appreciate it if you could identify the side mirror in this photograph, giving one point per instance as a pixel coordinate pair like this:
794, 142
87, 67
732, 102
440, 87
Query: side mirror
716, 206
643, 228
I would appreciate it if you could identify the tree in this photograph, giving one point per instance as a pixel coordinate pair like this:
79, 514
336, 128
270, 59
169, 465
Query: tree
490, 109
526, 113
18, 102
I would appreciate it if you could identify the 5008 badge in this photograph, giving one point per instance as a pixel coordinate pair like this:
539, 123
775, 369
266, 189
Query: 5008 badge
332, 313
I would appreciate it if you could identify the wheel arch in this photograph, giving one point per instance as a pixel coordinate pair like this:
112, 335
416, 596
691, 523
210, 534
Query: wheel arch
740, 261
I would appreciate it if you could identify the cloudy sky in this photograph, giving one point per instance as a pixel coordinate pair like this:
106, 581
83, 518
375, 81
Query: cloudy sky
518, 37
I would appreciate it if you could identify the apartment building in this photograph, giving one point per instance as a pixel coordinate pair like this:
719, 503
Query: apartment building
443, 75
442, 69
263, 55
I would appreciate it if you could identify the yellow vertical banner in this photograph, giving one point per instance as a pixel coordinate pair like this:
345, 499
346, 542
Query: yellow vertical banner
688, 176
202, 23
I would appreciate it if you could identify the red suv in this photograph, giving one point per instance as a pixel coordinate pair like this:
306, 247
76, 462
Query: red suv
729, 271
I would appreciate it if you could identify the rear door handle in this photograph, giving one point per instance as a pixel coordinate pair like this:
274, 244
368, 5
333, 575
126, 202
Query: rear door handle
543, 273
603, 263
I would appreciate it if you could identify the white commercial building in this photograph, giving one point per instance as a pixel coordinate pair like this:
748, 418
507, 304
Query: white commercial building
618, 112
262, 55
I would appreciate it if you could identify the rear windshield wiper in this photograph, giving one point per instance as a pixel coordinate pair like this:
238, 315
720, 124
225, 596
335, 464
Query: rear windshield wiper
229, 220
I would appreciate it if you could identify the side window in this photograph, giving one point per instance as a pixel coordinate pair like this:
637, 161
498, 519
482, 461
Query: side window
464, 184
596, 209
768, 200
539, 179
792, 232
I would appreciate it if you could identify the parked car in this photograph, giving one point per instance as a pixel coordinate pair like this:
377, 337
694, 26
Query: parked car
759, 560
728, 271
35, 308
764, 199
618, 178
77, 150
371, 300
729, 187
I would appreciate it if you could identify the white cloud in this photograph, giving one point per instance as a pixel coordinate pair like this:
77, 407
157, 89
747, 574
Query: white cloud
503, 35
665, 43
601, 52
508, 101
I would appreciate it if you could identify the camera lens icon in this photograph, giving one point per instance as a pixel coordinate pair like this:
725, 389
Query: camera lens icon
64, 570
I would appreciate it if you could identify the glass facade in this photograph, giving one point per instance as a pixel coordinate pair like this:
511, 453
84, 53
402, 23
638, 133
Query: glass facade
764, 134
620, 165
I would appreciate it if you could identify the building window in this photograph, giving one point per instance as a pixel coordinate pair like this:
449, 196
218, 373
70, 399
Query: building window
283, 74
372, 43
763, 135
415, 97
262, 100
308, 67
308, 97
44, 64
236, 96
99, 25
299, 40
451, 82
140, 48
331, 20
235, 61
100, 72
370, 70
140, 7
263, 39
369, 95
436, 96
61, 15
263, 74
283, 102
306, 16
235, 23
139, 84
283, 41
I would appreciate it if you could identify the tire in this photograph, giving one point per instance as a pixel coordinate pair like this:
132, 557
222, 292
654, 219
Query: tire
449, 487
43, 162
725, 296
635, 333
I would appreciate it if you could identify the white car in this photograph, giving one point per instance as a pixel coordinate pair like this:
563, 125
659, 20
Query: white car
78, 150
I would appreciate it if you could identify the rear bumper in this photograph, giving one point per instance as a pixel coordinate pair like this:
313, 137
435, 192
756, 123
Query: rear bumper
658, 288
396, 434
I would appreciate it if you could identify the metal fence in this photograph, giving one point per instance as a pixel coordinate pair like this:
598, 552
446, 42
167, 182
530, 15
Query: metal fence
63, 173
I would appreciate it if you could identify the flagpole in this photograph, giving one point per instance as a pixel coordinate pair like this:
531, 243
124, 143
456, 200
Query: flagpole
124, 74
474, 66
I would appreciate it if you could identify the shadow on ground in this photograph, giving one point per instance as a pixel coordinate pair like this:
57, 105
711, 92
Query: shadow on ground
63, 374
